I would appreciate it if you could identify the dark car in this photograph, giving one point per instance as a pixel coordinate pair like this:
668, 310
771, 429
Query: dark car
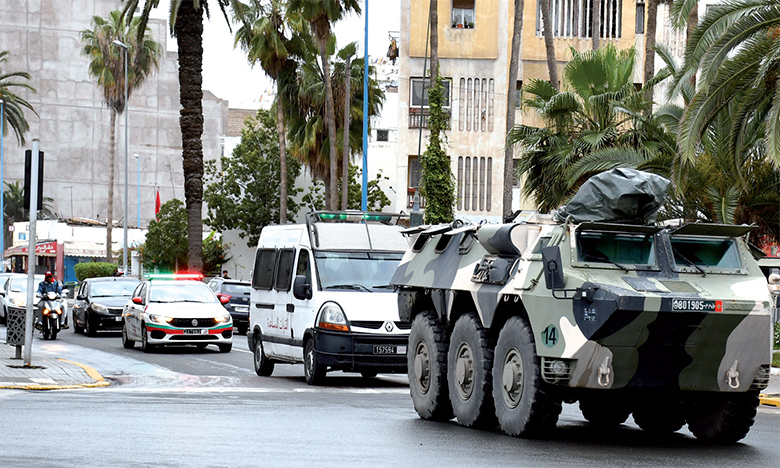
99, 303
237, 293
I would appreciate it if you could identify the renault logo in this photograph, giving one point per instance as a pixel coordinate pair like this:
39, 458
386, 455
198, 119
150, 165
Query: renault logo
389, 326
194, 322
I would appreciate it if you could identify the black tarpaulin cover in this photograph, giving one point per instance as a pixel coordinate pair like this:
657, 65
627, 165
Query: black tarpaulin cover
617, 196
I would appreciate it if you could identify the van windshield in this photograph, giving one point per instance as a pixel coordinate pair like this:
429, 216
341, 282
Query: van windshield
356, 271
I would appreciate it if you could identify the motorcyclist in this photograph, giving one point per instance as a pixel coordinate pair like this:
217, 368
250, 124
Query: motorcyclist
49, 284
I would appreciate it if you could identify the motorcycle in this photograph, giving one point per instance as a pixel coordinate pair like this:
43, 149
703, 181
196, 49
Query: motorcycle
51, 309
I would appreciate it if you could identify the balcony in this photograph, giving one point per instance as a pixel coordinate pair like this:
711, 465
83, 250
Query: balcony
418, 118
410, 198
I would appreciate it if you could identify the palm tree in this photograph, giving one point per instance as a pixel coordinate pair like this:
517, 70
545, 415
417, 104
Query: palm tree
265, 37
736, 48
13, 114
596, 24
320, 14
107, 65
433, 15
186, 23
306, 131
596, 126
549, 44
511, 93
14, 210
346, 54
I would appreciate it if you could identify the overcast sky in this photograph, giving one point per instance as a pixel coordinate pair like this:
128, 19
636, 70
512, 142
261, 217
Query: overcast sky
228, 75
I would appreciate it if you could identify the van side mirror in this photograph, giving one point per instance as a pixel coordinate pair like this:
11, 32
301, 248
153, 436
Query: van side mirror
553, 268
301, 289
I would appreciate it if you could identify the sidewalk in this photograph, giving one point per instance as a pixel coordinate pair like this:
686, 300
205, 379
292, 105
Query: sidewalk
45, 373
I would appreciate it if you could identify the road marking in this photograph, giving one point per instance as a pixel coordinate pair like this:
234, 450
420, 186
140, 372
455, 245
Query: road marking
264, 390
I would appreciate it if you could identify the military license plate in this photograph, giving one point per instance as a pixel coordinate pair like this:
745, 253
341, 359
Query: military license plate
696, 305
389, 349
196, 331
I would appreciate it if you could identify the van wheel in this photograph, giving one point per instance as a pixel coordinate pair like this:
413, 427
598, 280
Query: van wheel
427, 367
368, 375
469, 366
225, 348
524, 405
314, 371
264, 367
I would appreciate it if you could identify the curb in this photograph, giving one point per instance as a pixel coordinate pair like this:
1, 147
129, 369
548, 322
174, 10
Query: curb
770, 400
92, 373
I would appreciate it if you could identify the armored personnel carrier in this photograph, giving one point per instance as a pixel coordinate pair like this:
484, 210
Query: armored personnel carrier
595, 304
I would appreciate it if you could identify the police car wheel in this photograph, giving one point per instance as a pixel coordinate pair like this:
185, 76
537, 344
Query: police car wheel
524, 406
723, 418
264, 367
313, 370
427, 368
145, 346
127, 343
469, 367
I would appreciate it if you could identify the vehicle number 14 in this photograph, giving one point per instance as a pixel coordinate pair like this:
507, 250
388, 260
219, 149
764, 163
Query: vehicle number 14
550, 336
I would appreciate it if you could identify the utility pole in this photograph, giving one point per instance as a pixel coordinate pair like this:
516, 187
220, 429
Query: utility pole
31, 287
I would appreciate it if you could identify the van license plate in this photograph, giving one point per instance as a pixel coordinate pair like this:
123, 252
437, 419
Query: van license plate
389, 349
195, 331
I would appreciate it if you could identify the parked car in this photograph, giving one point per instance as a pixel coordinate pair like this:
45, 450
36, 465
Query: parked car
164, 312
16, 290
237, 294
4, 277
99, 303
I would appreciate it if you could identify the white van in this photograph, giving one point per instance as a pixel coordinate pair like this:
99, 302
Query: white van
321, 296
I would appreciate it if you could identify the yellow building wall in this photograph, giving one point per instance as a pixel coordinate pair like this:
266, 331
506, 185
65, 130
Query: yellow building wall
481, 42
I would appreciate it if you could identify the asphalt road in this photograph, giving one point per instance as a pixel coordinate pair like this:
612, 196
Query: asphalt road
200, 408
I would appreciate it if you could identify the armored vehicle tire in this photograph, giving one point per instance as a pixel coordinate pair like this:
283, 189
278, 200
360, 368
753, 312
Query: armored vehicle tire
427, 364
659, 418
603, 412
724, 418
524, 407
469, 366
312, 369
264, 367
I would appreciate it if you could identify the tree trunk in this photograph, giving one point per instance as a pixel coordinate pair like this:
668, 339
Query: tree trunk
189, 36
596, 23
652, 17
552, 63
111, 164
330, 112
434, 17
511, 94
345, 149
282, 154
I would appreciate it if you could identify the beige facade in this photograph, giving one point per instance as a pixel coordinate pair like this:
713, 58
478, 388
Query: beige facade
43, 38
474, 52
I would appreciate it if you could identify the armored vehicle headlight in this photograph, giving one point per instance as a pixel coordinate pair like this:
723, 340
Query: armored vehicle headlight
99, 308
558, 367
774, 283
332, 317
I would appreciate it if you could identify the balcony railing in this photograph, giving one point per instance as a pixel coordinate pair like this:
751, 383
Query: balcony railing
410, 198
419, 118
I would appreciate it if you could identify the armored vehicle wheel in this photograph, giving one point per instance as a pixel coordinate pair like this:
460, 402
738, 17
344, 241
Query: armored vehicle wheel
264, 367
524, 407
313, 370
427, 364
469, 366
724, 418
602, 412
659, 418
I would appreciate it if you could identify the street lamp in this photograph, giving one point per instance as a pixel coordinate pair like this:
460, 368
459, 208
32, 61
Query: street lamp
138, 190
117, 43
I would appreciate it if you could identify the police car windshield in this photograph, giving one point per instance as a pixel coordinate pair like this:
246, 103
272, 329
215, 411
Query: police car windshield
705, 252
181, 291
113, 288
356, 271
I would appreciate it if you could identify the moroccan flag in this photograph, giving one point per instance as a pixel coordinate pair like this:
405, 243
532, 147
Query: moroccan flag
157, 206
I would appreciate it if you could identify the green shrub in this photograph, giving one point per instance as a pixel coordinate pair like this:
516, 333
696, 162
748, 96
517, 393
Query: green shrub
94, 270
777, 335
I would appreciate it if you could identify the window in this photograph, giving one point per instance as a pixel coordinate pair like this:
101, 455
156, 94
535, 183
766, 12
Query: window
574, 18
475, 111
475, 184
463, 13
383, 135
414, 172
715, 253
611, 247
263, 277
284, 269
640, 17
303, 267
419, 90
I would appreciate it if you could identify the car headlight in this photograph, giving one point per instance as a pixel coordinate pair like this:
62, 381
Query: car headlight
159, 318
17, 302
99, 308
332, 317
223, 318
